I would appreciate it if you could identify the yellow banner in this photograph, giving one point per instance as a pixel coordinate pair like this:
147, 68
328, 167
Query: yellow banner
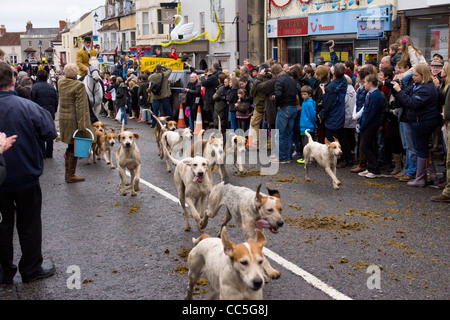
326, 56
149, 63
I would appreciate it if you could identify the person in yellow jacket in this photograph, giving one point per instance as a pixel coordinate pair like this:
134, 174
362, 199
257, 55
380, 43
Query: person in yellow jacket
83, 57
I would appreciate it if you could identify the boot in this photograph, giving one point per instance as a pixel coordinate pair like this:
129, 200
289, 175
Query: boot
398, 164
71, 166
420, 180
432, 178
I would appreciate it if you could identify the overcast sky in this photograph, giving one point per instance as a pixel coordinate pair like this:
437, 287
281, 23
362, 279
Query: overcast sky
43, 13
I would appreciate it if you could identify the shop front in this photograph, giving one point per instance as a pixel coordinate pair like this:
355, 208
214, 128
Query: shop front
358, 34
429, 29
286, 39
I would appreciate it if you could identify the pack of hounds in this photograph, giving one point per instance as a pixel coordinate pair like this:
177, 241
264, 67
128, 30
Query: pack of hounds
234, 271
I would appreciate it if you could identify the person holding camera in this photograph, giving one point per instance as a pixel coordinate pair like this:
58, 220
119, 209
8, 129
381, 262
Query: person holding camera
421, 103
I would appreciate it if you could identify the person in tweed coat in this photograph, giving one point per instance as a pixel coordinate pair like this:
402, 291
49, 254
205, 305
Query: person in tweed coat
73, 115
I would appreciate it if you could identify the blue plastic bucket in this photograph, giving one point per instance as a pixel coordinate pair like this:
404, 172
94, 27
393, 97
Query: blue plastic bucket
82, 145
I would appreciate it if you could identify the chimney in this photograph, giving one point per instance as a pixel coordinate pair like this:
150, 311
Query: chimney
62, 25
29, 25
2, 30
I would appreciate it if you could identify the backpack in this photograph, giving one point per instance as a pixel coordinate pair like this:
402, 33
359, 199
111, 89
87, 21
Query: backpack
157, 87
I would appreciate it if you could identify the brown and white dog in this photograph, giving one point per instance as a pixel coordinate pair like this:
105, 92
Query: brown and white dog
250, 210
234, 270
176, 141
235, 146
326, 156
128, 157
99, 131
193, 181
106, 143
162, 125
211, 149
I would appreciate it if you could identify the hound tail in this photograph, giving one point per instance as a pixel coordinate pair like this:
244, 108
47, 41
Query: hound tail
168, 155
308, 135
123, 125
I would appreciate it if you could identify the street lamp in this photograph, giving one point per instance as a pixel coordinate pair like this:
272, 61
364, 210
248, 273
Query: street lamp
96, 17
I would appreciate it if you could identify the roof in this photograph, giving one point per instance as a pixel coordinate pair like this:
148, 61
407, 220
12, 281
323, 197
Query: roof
42, 32
111, 27
10, 39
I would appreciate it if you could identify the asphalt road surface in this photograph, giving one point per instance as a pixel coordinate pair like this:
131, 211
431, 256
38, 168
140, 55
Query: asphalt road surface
371, 240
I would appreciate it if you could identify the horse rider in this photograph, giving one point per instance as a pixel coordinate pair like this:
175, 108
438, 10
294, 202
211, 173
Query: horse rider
83, 57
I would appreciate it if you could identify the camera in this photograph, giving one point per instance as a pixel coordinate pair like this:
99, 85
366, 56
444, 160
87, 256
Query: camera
389, 82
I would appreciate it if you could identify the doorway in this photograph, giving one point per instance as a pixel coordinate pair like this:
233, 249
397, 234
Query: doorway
366, 54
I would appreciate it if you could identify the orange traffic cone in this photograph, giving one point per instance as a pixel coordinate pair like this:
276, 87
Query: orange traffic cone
181, 121
198, 121
250, 135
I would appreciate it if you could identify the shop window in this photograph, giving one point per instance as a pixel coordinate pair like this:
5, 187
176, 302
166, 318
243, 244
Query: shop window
430, 35
344, 51
294, 50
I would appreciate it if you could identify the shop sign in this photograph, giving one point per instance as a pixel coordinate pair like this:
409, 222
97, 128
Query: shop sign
370, 29
272, 29
293, 27
347, 21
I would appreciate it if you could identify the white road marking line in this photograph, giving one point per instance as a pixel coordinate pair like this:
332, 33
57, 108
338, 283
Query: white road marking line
312, 280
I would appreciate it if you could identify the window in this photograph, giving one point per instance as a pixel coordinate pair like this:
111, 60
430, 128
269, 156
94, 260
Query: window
153, 21
29, 44
160, 24
202, 22
145, 24
294, 50
430, 35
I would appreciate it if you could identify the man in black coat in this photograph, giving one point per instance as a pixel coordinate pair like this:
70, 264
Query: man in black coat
211, 82
193, 97
20, 193
45, 95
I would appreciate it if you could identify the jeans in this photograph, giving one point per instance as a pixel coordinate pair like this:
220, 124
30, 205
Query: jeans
123, 115
422, 132
233, 121
166, 109
410, 148
284, 124
144, 115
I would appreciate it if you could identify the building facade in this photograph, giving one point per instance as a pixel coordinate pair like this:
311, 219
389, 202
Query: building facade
298, 31
118, 31
37, 43
427, 22
10, 44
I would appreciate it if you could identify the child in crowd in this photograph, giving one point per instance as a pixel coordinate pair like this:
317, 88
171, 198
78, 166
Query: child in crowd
242, 107
121, 100
369, 124
307, 118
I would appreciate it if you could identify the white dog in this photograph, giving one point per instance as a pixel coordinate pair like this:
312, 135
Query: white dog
326, 156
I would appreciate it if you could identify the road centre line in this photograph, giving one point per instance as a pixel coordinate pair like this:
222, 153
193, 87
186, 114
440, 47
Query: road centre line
309, 278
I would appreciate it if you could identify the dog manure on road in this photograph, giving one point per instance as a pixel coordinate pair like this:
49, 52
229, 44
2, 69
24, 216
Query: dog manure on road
134, 209
324, 223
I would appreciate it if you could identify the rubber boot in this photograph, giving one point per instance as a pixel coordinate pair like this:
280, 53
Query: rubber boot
420, 180
71, 166
398, 164
432, 178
